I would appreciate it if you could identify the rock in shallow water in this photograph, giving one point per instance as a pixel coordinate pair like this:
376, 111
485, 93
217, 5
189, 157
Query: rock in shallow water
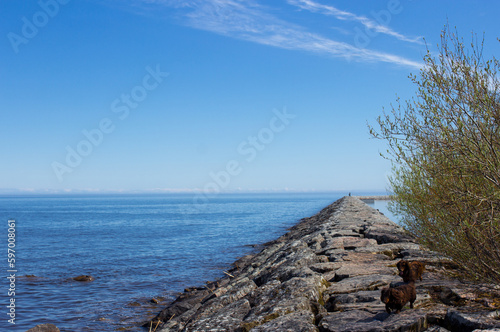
44, 328
84, 278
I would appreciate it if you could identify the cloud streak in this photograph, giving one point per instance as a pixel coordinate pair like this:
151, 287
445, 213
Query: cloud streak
248, 20
347, 16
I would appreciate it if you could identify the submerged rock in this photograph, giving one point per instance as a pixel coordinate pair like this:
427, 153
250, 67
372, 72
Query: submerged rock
84, 278
44, 328
326, 274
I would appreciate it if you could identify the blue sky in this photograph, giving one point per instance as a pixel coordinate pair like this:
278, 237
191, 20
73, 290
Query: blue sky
216, 95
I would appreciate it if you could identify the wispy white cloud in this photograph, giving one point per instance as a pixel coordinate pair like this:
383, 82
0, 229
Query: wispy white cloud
248, 20
347, 16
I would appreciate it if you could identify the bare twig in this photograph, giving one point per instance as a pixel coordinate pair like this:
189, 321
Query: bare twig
158, 323
210, 290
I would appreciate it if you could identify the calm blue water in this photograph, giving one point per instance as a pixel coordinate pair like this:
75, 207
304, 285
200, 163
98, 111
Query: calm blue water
382, 207
137, 248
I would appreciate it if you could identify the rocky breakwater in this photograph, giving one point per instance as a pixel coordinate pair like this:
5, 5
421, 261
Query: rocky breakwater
326, 274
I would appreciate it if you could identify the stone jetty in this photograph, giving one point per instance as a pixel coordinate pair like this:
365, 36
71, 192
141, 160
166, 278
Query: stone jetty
326, 274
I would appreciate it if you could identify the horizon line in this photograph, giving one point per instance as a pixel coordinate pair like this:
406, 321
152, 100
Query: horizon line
48, 192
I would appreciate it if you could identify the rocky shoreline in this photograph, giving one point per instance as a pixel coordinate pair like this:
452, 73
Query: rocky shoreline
326, 274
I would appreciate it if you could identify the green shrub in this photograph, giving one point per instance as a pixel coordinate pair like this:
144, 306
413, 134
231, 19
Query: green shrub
444, 145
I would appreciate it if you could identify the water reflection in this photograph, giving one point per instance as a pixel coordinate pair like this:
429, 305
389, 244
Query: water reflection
381, 205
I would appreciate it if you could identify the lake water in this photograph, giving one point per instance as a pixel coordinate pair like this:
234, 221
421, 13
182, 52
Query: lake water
137, 248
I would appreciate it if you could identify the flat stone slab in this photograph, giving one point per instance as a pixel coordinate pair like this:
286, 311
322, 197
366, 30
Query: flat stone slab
302, 321
352, 269
359, 283
363, 321
472, 321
